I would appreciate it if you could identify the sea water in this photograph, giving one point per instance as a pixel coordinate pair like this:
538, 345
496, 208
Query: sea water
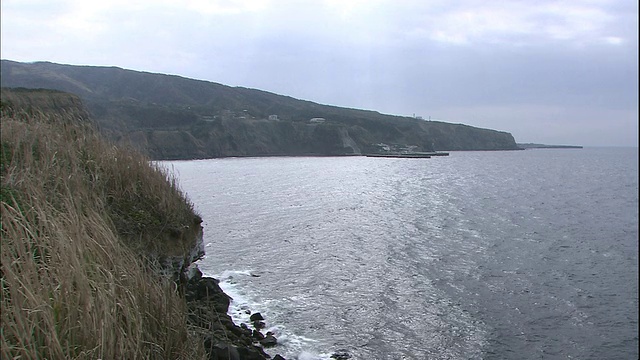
478, 255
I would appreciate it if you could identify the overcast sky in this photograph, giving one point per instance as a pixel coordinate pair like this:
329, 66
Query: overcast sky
554, 72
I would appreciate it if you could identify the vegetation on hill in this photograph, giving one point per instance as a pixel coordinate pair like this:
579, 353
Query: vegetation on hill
79, 220
172, 117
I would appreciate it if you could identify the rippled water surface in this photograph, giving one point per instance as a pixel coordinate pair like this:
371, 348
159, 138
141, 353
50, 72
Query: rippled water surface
478, 255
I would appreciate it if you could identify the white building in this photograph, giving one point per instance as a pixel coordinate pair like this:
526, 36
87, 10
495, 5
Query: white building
317, 120
273, 117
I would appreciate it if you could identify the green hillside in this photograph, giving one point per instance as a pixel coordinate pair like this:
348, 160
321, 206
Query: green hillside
172, 117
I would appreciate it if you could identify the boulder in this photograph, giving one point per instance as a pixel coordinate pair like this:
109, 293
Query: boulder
252, 353
257, 335
245, 330
341, 355
219, 351
207, 288
256, 317
269, 341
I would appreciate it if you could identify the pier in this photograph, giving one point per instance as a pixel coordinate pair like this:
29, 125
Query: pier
415, 155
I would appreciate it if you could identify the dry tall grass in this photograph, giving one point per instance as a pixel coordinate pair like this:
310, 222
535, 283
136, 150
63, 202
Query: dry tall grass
73, 208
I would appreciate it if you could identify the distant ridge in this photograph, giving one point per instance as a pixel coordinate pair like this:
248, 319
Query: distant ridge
172, 117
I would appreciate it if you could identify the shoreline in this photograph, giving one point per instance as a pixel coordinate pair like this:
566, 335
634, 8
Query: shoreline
208, 307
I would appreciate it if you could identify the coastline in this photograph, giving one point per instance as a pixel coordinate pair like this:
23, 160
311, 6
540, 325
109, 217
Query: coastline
109, 232
208, 317
223, 337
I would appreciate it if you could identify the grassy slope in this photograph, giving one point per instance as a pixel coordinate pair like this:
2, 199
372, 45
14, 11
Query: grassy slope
76, 215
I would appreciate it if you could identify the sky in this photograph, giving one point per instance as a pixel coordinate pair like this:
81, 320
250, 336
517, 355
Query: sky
552, 72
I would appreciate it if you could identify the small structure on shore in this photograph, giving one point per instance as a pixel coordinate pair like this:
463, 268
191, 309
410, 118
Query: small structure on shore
415, 155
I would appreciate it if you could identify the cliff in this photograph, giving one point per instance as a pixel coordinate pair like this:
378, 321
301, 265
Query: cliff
94, 242
172, 117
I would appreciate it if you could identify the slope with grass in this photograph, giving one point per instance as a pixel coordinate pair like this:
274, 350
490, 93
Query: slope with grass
84, 228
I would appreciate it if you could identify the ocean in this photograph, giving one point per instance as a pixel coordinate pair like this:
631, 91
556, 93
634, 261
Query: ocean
477, 255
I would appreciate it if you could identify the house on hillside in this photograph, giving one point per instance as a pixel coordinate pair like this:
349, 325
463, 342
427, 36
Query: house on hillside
273, 117
317, 120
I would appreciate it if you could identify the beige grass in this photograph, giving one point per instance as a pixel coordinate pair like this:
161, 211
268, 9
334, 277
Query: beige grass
76, 215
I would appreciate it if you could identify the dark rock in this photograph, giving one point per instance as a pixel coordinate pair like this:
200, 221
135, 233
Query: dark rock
219, 350
278, 357
236, 330
341, 355
252, 353
256, 317
207, 288
207, 285
222, 331
224, 351
245, 330
257, 335
258, 325
269, 341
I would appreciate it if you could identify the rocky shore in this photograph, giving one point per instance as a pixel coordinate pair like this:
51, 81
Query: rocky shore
87, 235
208, 308
223, 339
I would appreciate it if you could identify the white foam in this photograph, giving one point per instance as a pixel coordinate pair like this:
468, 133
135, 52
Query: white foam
243, 303
305, 355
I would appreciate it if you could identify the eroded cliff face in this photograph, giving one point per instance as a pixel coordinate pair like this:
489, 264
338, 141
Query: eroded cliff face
246, 138
176, 261
348, 144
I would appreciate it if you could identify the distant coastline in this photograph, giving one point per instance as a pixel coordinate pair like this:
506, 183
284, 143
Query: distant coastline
544, 146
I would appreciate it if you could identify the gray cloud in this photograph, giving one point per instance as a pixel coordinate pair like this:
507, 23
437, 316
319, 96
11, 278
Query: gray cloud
546, 71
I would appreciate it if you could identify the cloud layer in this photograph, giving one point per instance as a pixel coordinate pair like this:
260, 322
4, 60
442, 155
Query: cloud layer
570, 65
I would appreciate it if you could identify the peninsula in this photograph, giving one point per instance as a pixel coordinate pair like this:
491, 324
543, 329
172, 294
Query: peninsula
171, 117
